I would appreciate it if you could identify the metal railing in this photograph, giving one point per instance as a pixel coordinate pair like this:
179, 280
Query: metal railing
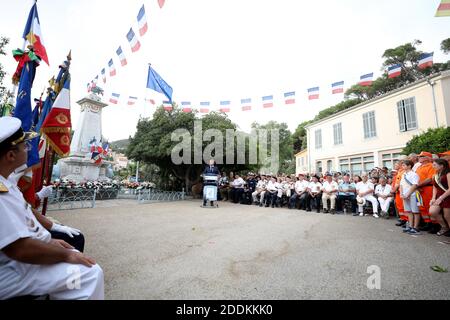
72, 199
152, 195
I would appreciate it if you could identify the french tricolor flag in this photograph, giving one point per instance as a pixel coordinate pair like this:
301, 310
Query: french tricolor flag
337, 87
134, 42
225, 106
142, 21
151, 101
394, 71
33, 35
313, 93
187, 107
426, 60
167, 105
112, 69
246, 104
104, 75
267, 102
204, 107
123, 59
114, 98
366, 80
289, 97
132, 101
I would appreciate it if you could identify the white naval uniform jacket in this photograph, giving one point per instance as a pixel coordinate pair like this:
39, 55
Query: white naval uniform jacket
17, 221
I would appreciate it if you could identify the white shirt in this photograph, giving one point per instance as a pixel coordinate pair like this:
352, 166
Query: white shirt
330, 186
238, 183
261, 184
416, 166
362, 187
17, 221
315, 187
271, 186
301, 186
383, 191
412, 177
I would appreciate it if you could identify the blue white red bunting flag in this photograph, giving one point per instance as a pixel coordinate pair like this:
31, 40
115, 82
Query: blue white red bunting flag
114, 98
112, 69
246, 104
142, 21
134, 42
366, 80
225, 106
132, 101
337, 87
314, 93
394, 71
187, 107
121, 55
426, 60
167, 105
204, 107
289, 98
104, 75
267, 102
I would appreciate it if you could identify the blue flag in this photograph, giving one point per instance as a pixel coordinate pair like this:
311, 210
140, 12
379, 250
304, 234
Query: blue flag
33, 154
155, 82
23, 102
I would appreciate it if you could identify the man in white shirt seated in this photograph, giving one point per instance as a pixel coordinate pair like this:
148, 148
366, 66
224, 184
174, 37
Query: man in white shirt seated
301, 192
314, 194
31, 262
272, 192
384, 193
237, 189
365, 190
260, 191
329, 192
347, 192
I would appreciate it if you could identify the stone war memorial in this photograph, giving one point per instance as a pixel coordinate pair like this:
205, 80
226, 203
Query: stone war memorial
79, 167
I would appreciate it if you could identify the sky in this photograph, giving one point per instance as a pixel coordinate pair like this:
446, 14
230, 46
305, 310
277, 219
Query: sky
216, 50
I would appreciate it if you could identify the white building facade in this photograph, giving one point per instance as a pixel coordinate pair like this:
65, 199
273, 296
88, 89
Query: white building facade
374, 133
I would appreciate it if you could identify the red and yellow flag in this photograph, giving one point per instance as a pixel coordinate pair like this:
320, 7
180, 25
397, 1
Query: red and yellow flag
444, 9
57, 124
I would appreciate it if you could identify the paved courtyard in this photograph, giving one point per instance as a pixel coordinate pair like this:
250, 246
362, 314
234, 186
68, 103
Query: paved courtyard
180, 251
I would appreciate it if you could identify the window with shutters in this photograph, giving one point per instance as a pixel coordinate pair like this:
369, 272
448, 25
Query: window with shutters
337, 129
318, 136
407, 115
370, 129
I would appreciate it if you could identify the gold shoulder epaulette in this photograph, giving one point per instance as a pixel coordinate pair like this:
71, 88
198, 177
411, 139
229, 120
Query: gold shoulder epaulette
3, 188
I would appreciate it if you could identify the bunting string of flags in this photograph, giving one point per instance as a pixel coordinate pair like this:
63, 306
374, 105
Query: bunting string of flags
156, 83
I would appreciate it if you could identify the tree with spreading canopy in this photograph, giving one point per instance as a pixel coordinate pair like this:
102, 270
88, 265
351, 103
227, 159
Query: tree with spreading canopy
153, 143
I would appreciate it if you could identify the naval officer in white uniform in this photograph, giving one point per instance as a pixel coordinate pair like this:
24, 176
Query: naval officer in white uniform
31, 262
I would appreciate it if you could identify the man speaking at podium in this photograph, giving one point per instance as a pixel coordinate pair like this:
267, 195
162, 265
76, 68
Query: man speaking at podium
210, 170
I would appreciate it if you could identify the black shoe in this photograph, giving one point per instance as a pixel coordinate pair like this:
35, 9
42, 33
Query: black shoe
273, 206
325, 211
401, 223
308, 210
426, 227
435, 229
333, 211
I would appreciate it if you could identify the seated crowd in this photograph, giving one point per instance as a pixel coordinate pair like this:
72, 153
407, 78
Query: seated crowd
416, 192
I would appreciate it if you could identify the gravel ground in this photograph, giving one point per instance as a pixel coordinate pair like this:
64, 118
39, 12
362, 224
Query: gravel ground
180, 251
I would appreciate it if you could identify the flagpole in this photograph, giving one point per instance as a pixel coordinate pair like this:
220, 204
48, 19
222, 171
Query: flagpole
16, 86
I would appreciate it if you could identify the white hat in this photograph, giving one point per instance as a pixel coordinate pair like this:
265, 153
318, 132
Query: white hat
11, 132
361, 201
